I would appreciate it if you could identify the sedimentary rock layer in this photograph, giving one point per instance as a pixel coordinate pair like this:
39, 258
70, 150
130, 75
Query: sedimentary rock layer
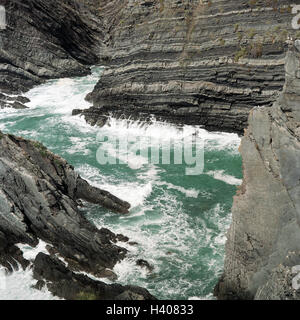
263, 242
44, 40
197, 62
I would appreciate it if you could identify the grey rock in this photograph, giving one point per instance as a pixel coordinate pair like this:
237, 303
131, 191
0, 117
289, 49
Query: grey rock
38, 200
265, 231
45, 40
191, 62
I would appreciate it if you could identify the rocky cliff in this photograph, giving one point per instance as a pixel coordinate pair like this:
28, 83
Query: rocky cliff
39, 198
263, 245
189, 61
192, 61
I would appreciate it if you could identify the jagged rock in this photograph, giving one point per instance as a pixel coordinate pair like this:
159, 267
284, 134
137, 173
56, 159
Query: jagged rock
144, 264
13, 102
266, 211
22, 99
76, 112
68, 285
38, 200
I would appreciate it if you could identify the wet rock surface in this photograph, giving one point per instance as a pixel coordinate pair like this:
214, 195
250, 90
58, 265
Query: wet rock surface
264, 238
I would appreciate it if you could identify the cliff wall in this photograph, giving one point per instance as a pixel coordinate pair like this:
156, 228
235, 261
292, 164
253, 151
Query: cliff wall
192, 61
46, 39
263, 242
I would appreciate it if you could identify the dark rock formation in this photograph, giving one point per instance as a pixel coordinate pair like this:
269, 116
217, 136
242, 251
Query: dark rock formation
13, 102
263, 242
144, 264
191, 61
68, 285
45, 40
39, 193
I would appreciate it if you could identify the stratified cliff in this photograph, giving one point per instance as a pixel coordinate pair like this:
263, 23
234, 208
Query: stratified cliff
189, 61
46, 39
192, 61
263, 242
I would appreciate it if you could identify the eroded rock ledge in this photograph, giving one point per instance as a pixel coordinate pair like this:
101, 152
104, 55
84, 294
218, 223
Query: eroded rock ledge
263, 242
39, 198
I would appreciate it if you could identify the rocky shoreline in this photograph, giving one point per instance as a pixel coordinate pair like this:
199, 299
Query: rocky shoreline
194, 62
46, 40
39, 197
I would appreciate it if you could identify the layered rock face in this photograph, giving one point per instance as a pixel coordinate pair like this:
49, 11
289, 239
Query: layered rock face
46, 39
39, 198
192, 61
263, 246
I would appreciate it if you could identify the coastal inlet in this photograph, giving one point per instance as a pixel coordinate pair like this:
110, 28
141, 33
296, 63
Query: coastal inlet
177, 223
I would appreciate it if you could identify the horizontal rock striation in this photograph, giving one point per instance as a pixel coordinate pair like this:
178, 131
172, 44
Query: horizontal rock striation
263, 246
194, 62
39, 194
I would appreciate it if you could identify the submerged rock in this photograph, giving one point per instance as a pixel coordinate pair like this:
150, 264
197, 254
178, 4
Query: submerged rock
144, 264
263, 242
38, 200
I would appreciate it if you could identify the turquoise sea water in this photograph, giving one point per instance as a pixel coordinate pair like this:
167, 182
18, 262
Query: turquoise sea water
178, 222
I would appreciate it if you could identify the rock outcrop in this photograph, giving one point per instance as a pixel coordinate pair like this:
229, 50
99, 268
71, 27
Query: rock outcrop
39, 194
263, 246
39, 198
58, 279
191, 61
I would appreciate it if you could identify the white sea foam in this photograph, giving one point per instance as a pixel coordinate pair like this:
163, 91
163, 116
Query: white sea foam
18, 286
222, 176
30, 253
190, 193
